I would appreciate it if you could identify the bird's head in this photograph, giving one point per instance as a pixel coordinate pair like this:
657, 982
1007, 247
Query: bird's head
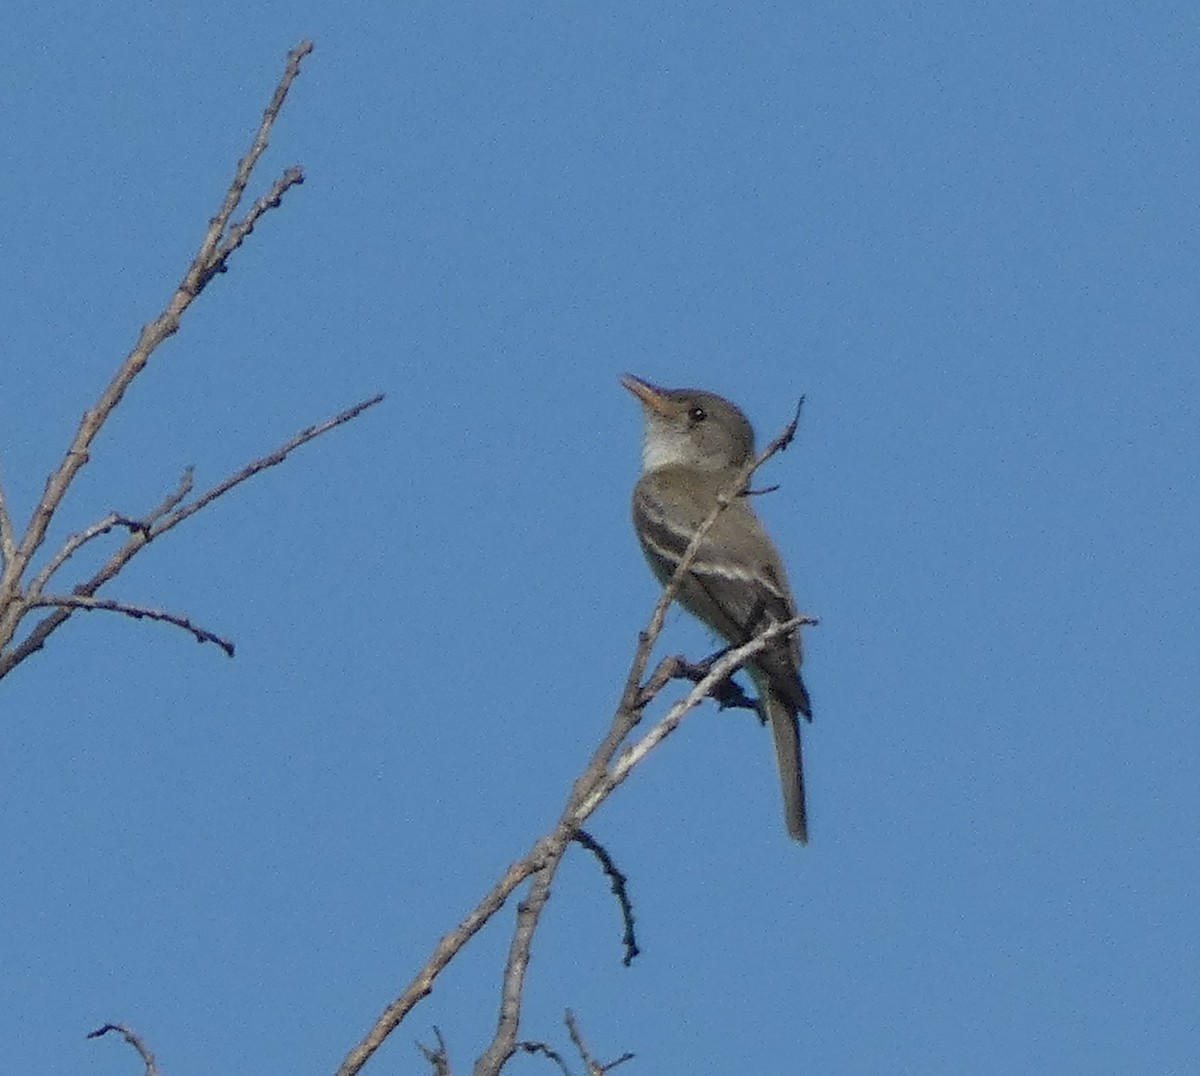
691, 428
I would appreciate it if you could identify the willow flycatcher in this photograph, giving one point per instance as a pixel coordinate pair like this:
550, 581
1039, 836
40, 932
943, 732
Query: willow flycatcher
695, 445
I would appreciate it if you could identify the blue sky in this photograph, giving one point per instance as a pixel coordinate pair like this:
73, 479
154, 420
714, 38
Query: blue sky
967, 232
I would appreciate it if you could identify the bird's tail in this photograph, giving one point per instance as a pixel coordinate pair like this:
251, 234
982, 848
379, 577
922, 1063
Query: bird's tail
783, 717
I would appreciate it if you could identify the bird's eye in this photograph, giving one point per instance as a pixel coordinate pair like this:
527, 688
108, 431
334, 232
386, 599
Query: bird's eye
697, 414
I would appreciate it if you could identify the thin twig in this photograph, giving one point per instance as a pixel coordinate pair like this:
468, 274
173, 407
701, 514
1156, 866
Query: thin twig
137, 612
186, 483
134, 1040
439, 1058
620, 889
103, 526
547, 1051
214, 257
69, 549
240, 232
594, 1067
251, 469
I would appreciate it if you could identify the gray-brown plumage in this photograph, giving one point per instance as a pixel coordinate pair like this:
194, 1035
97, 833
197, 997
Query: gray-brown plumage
696, 443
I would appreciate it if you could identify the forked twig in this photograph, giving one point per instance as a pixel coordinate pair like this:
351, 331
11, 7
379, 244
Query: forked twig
165, 517
439, 1058
594, 1067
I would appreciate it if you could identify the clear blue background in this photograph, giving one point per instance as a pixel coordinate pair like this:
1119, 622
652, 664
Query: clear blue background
968, 232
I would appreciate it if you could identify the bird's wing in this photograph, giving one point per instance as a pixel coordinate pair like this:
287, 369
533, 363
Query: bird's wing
737, 587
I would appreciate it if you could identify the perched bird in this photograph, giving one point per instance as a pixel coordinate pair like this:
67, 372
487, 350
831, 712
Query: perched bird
695, 445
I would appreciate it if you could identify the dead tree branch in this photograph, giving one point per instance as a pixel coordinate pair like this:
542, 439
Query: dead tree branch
19, 598
209, 260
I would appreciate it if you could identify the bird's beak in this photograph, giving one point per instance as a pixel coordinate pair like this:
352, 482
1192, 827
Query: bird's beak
651, 396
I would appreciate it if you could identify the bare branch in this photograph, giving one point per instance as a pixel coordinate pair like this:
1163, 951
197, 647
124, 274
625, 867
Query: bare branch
69, 549
273, 460
212, 257
137, 612
544, 856
439, 1058
209, 259
443, 953
103, 526
204, 265
619, 884
594, 1067
134, 1040
186, 482
238, 234
166, 516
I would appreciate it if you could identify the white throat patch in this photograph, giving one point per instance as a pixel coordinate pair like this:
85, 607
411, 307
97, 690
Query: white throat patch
662, 448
